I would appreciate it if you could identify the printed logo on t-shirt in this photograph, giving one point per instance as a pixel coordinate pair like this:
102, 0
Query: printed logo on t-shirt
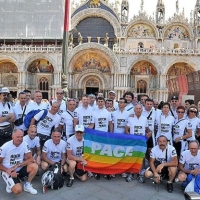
102, 122
4, 113
14, 159
54, 154
79, 151
173, 152
165, 128
193, 166
121, 123
75, 114
46, 122
0, 151
138, 130
86, 120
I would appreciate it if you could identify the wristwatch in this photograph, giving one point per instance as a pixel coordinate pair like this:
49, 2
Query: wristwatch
181, 138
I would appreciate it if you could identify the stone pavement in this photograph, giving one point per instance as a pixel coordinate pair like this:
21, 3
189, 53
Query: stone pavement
115, 189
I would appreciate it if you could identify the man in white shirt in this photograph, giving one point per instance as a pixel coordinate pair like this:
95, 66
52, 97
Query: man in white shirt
45, 126
28, 97
59, 99
112, 95
101, 118
54, 150
83, 114
6, 116
20, 111
174, 104
163, 160
16, 162
38, 104
33, 142
74, 155
129, 97
189, 163
67, 119
120, 117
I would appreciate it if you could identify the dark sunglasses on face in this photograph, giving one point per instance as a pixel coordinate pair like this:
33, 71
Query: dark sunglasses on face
192, 111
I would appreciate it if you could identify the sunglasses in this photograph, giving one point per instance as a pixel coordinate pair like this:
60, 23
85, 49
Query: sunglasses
192, 111
180, 112
59, 93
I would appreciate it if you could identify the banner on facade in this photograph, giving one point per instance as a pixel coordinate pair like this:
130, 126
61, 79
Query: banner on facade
113, 153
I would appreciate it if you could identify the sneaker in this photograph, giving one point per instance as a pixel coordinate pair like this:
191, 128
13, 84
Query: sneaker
8, 189
170, 187
113, 175
30, 189
90, 174
108, 177
124, 175
97, 176
140, 178
70, 182
129, 178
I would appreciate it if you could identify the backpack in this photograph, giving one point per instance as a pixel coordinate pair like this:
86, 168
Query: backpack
53, 178
30, 116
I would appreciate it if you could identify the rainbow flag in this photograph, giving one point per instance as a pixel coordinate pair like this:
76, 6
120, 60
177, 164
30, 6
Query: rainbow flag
113, 153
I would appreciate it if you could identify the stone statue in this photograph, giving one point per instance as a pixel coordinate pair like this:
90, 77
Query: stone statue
106, 38
177, 6
71, 39
65, 86
80, 38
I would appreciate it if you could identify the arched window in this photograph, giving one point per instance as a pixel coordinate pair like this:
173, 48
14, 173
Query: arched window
10, 81
43, 84
141, 86
140, 45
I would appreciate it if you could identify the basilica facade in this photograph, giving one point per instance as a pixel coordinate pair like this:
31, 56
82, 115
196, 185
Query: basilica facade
106, 51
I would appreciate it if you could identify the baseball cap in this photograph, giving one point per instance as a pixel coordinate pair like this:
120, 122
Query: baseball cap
91, 95
79, 128
112, 91
4, 90
174, 98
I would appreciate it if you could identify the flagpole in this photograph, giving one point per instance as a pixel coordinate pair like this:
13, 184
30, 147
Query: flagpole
67, 18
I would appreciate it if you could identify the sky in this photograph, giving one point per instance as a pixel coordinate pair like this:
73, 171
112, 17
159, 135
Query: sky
150, 7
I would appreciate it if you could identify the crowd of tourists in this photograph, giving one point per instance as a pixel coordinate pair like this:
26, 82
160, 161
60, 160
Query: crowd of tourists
36, 135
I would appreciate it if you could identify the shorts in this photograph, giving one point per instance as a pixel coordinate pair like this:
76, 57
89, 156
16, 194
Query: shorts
79, 172
150, 143
178, 147
164, 172
10, 182
43, 139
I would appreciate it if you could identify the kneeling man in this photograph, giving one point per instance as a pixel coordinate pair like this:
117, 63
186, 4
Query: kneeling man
16, 162
74, 155
163, 161
54, 150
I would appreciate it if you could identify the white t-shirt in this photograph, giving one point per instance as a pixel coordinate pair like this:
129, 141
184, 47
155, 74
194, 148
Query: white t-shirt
195, 125
137, 125
120, 119
151, 119
54, 152
41, 106
44, 126
165, 126
67, 119
160, 155
18, 111
63, 106
84, 115
32, 143
13, 155
75, 146
189, 161
5, 111
101, 119
179, 127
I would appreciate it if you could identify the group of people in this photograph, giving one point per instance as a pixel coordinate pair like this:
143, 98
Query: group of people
56, 135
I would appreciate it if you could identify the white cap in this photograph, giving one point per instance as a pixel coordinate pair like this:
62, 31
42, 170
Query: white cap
4, 90
79, 128
112, 91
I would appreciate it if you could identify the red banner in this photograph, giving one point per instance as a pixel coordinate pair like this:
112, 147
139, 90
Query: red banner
67, 18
